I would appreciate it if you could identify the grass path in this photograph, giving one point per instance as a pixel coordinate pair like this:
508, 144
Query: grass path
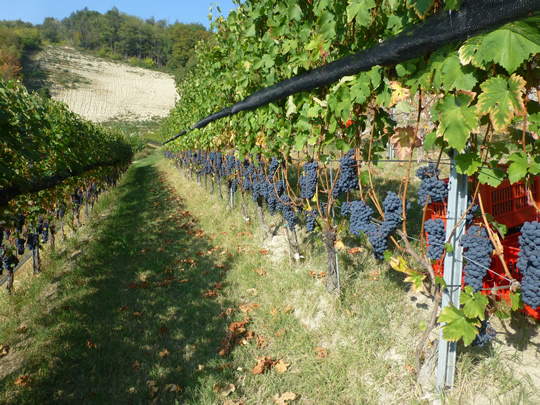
128, 311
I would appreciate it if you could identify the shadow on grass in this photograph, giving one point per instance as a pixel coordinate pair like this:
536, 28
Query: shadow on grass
132, 308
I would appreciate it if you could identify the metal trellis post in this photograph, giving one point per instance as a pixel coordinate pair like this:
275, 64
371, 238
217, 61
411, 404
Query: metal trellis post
457, 204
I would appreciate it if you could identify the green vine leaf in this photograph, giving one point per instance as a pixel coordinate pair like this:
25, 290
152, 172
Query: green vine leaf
474, 305
458, 325
421, 7
517, 170
468, 163
508, 46
492, 177
360, 9
502, 99
457, 119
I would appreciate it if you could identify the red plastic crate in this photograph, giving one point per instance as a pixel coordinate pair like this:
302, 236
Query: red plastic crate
508, 202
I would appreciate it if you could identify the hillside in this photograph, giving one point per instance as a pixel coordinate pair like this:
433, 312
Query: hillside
103, 91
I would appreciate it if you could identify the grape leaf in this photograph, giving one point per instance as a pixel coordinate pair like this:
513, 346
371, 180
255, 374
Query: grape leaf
452, 5
458, 325
519, 166
468, 53
421, 7
492, 177
359, 9
457, 119
398, 93
474, 305
502, 99
295, 12
456, 76
511, 44
403, 140
468, 163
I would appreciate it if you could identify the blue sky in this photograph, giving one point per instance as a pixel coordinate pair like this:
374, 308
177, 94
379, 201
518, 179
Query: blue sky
185, 11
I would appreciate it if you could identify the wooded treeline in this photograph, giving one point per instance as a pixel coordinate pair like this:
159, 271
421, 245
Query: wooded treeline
112, 34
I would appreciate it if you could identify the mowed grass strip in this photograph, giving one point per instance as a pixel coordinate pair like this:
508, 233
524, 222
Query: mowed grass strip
123, 314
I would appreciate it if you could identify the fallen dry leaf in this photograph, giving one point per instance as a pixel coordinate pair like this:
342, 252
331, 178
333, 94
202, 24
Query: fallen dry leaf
123, 308
252, 291
227, 390
24, 380
246, 308
137, 314
260, 272
163, 353
409, 368
287, 309
263, 363
90, 344
274, 312
281, 367
321, 352
4, 350
22, 329
263, 252
185, 280
225, 313
136, 365
210, 294
355, 250
152, 387
171, 388
375, 275
281, 332
261, 342
285, 398
339, 245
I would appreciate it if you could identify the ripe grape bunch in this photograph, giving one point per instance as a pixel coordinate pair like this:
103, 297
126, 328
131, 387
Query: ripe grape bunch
308, 180
347, 179
477, 252
486, 334
430, 185
529, 263
436, 238
311, 220
274, 166
288, 212
360, 219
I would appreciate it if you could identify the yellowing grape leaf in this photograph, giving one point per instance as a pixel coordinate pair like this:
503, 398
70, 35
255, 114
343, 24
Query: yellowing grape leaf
421, 7
404, 140
502, 99
398, 93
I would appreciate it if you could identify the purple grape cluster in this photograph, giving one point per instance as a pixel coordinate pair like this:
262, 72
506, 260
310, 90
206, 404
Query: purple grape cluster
311, 219
477, 252
347, 179
288, 212
274, 166
436, 238
19, 244
529, 263
360, 220
308, 180
430, 185
486, 334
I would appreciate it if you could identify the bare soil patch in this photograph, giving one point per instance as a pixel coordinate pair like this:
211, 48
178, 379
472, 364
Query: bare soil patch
100, 90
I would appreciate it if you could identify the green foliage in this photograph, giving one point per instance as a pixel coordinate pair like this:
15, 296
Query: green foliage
42, 138
463, 323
